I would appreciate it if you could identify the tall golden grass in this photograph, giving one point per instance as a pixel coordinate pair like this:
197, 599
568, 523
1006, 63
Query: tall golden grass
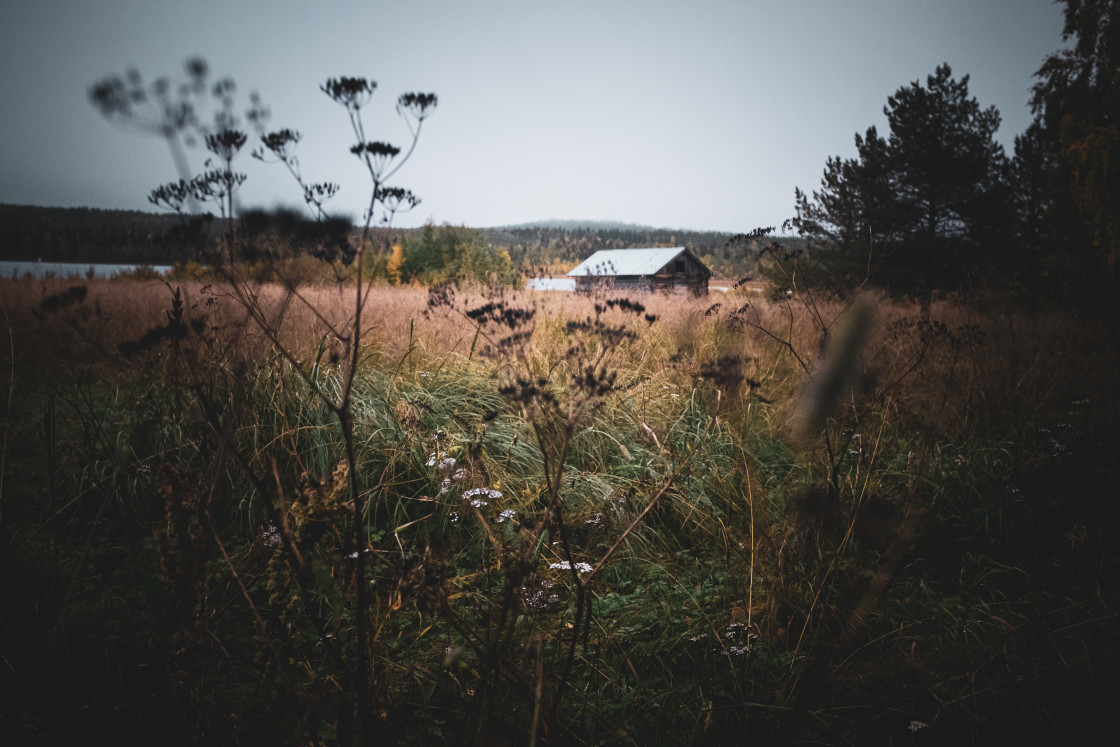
984, 362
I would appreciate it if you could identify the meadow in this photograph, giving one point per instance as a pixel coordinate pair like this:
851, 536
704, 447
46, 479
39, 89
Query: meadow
506, 517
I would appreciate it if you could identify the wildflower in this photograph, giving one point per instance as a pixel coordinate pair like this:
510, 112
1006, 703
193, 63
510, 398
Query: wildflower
441, 460
916, 725
425, 375
460, 474
444, 486
509, 513
454, 516
596, 520
540, 599
488, 492
270, 536
478, 503
1058, 448
563, 565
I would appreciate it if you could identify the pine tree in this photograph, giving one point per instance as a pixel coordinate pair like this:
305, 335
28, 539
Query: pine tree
927, 201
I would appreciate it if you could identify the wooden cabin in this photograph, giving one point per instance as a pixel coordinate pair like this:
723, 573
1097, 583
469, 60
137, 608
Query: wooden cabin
668, 270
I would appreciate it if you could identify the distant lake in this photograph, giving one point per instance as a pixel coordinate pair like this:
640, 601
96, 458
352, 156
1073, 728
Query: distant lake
69, 269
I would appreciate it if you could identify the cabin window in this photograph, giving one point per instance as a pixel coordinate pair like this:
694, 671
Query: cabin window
680, 266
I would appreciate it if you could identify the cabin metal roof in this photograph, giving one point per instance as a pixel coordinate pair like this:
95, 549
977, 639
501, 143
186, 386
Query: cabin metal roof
613, 262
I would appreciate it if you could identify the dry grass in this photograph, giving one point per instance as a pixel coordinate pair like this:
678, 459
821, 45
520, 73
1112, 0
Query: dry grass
855, 604
967, 364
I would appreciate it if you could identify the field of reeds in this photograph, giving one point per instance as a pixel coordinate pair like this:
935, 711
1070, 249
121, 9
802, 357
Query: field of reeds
516, 518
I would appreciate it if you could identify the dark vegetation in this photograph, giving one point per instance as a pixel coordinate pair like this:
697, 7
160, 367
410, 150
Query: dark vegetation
87, 235
597, 527
276, 505
559, 247
936, 204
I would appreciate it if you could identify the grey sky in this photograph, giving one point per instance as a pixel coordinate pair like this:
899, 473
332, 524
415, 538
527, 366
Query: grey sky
700, 114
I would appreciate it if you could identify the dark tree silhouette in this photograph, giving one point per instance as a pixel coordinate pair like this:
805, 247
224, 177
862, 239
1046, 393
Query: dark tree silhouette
1078, 99
928, 197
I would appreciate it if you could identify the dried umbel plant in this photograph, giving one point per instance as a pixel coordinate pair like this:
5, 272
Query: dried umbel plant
558, 400
301, 520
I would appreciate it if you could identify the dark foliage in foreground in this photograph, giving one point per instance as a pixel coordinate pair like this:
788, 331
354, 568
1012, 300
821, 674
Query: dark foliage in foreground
602, 531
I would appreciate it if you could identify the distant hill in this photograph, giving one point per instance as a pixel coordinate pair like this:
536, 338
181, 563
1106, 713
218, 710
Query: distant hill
597, 225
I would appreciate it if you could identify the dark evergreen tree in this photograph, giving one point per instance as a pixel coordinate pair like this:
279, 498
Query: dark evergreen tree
854, 207
1048, 229
927, 204
1078, 101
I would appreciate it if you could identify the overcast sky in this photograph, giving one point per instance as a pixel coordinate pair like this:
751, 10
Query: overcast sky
700, 114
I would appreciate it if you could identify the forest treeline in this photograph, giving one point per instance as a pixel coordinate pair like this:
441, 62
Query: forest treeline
558, 248
90, 235
135, 237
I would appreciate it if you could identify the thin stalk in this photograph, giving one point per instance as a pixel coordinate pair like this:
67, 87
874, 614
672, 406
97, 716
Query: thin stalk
7, 409
252, 606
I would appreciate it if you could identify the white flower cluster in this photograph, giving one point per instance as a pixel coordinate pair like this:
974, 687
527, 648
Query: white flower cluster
445, 462
737, 639
478, 502
509, 513
482, 491
542, 598
563, 565
270, 536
